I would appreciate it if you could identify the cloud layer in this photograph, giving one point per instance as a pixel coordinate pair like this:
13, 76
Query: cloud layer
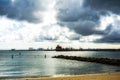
87, 19
60, 20
23, 9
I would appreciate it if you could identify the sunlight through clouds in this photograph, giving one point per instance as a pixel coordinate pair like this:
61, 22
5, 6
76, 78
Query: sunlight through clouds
50, 14
105, 21
30, 32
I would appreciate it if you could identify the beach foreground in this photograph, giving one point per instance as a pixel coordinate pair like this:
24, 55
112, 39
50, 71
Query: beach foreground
103, 76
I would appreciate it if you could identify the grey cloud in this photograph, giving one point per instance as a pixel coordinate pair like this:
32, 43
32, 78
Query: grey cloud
83, 27
111, 35
22, 9
112, 38
85, 19
74, 11
42, 37
82, 20
73, 37
104, 5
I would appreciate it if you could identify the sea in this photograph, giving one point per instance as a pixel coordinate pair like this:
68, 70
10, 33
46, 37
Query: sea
41, 63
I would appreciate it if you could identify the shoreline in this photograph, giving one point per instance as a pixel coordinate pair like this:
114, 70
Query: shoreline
92, 76
97, 76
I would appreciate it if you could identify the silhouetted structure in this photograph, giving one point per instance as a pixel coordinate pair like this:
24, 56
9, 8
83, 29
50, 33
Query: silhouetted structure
12, 56
45, 56
19, 53
58, 48
13, 49
40, 49
31, 49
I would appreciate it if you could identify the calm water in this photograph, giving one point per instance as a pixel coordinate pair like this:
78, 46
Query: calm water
34, 63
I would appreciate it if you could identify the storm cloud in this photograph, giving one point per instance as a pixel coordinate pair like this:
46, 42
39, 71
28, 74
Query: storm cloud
23, 9
103, 5
62, 19
86, 18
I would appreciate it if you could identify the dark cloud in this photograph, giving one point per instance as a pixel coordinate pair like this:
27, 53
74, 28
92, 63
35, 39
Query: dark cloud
73, 37
83, 27
82, 20
85, 19
104, 5
81, 16
70, 11
42, 38
110, 35
21, 9
112, 38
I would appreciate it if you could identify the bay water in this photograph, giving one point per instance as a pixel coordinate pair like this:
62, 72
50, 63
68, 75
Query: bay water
41, 63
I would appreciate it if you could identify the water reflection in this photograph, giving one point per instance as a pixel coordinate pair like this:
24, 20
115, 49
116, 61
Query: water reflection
30, 63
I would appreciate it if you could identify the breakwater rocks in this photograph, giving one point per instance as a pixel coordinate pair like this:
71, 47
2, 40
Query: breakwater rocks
108, 61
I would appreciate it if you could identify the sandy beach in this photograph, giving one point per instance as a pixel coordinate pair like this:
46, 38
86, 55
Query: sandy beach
102, 76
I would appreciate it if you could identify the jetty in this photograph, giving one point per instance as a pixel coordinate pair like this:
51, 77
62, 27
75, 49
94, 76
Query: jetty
107, 61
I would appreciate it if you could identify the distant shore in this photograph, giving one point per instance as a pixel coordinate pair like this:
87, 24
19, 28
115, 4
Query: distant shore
62, 50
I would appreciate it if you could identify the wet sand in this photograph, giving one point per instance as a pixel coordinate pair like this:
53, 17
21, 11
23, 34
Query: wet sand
102, 76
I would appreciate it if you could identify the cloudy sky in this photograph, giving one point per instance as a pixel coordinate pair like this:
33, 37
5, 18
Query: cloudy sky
46, 23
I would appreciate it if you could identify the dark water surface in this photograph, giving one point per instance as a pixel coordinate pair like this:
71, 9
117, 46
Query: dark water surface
35, 63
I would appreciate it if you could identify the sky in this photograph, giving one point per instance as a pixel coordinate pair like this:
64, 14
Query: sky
70, 23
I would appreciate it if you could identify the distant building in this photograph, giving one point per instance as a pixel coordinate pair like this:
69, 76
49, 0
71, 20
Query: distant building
40, 49
13, 49
31, 48
58, 48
